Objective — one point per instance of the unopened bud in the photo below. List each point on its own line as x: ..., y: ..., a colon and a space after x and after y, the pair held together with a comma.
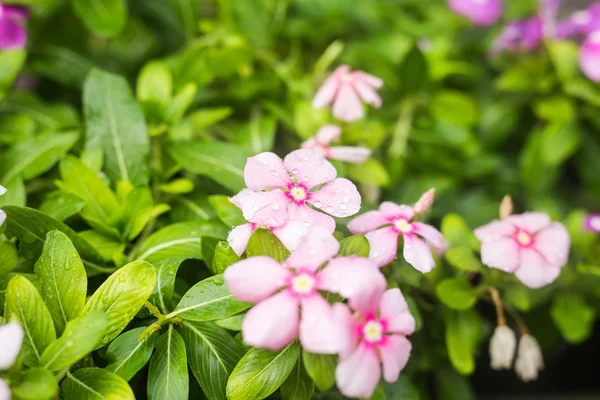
x: 506, y: 207
x: 502, y: 347
x: 529, y: 358
x: 425, y: 201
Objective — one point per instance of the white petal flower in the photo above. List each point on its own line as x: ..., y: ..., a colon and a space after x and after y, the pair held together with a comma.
x: 11, y: 339
x: 502, y: 347
x: 529, y: 358
x: 4, y: 391
x: 2, y: 190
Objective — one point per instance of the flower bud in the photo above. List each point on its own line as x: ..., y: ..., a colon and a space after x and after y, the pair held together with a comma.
x: 506, y: 207
x: 425, y: 201
x: 502, y: 347
x: 592, y: 223
x: 529, y: 358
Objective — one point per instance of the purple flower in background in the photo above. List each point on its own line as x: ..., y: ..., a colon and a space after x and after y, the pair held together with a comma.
x: 589, y: 56
x: 520, y: 36
x: 580, y: 23
x: 481, y: 12
x: 12, y: 34
x: 549, y: 14
x: 592, y: 223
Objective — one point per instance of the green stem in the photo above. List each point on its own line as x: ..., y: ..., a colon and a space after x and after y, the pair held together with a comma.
x: 62, y: 374
x: 403, y: 127
x: 154, y: 311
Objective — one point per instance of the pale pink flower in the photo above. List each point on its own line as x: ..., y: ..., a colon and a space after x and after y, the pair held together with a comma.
x: 383, y: 228
x: 346, y: 89
x: 327, y: 134
x: 282, y: 290
x: 425, y: 201
x: 481, y: 12
x: 281, y: 190
x: 592, y: 223
x: 589, y: 56
x: 529, y: 245
x: 11, y: 340
x: 373, y: 336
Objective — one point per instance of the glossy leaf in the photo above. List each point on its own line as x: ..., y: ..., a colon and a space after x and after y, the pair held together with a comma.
x: 264, y: 243
x: 35, y: 384
x: 573, y: 317
x: 298, y: 385
x: 462, y: 335
x: 321, y: 368
x: 168, y: 374
x: 9, y: 257
x: 456, y: 293
x: 62, y: 205
x: 103, y: 17
x: 95, y: 384
x: 223, y: 258
x: 227, y: 212
x: 166, y: 272
x: 356, y: 245
x: 127, y: 355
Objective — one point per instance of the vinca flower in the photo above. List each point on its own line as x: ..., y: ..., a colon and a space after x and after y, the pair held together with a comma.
x: 12, y: 33
x: 589, y: 56
x: 529, y: 245
x: 374, y: 336
x: 580, y: 24
x: 520, y: 36
x: 502, y: 347
x: 382, y: 229
x: 592, y: 223
x: 529, y: 358
x: 280, y: 291
x: 345, y: 89
x: 11, y: 339
x: 481, y: 12
x: 327, y: 134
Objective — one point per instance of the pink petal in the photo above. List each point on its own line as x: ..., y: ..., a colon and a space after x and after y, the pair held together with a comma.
x: 15, y: 12
x: 367, y: 93
x: 327, y: 91
x: 397, y: 211
x: 266, y: 208
x: 309, y: 167
x: 356, y: 278
x: 530, y: 221
x: 394, y: 354
x: 417, y: 253
x: 534, y: 271
x: 347, y: 105
x: 11, y: 339
x: 311, y: 218
x: 328, y: 133
x: 367, y: 222
x: 501, y: 253
x: 339, y: 198
x: 238, y: 199
x: 394, y: 310
x: 273, y: 323
x: 314, y: 250
x: 4, y: 390
x: 318, y: 331
x: 255, y: 278
x: 239, y: 236
x: 553, y: 243
x: 368, y: 79
x: 494, y: 230
x: 355, y: 155
x: 12, y: 34
x: 358, y: 374
x: 589, y: 57
x: 432, y: 236
x: 266, y: 171
x: 290, y: 234
x: 346, y: 325
x: 384, y: 245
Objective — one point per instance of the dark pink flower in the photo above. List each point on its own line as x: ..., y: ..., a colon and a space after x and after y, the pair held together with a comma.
x: 481, y: 12
x: 592, y: 223
x: 12, y: 33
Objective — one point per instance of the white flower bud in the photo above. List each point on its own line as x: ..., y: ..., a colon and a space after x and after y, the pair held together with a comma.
x: 529, y: 358
x: 502, y: 347
x: 2, y: 190
x: 425, y: 202
x: 506, y: 207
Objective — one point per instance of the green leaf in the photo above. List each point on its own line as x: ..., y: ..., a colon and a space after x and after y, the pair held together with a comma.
x: 163, y: 292
x: 180, y: 103
x: 565, y: 57
x: 222, y: 162
x: 62, y: 205
x: 356, y: 245
x: 63, y: 279
x: 573, y: 317
x: 457, y: 232
x: 24, y: 303
x: 233, y: 323
x: 115, y: 122
x: 463, y: 259
x: 402, y: 389
x: 168, y: 374
x: 226, y: 211
x: 414, y: 72
x: 559, y: 141
x: 35, y: 384
x: 454, y: 107
x: 9, y: 258
x: 209, y: 116
x: 79, y: 339
x: 181, y: 240
x: 258, y: 135
x: 370, y: 172
x: 321, y: 368
x: 95, y: 384
x: 264, y: 243
x: 178, y: 186
x: 138, y: 211
x: 126, y: 355
x: 379, y: 393
x: 155, y: 88
x: 212, y: 354
x: 456, y: 293
x: 223, y: 258
x: 526, y: 299
x: 452, y: 386
x: 103, y: 17
x: 122, y: 295
x: 462, y: 334
x: 298, y: 386
x: 261, y: 372
x: 12, y: 61
x: 16, y: 195
x: 35, y: 155
x: 209, y: 300
x: 106, y: 246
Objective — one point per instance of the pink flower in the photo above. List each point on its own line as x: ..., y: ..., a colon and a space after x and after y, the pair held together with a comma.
x: 530, y: 245
x: 11, y: 340
x: 320, y: 143
x: 373, y: 337
x: 345, y: 89
x: 592, y: 223
x: 2, y: 213
x: 281, y: 191
x: 589, y: 56
x: 394, y: 221
x: 12, y: 34
x: 481, y: 12
x: 281, y: 291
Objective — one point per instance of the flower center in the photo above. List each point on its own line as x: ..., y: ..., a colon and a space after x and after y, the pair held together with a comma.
x: 373, y: 331
x: 303, y: 284
x: 403, y: 225
x: 298, y: 193
x: 347, y: 78
x: 524, y: 238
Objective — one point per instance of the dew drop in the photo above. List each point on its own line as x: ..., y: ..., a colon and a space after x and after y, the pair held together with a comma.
x: 342, y: 206
x: 318, y: 204
x: 346, y: 199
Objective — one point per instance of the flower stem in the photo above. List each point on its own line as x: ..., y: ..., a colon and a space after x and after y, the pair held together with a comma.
x: 522, y: 326
x: 403, y: 127
x: 499, y: 306
x: 154, y: 311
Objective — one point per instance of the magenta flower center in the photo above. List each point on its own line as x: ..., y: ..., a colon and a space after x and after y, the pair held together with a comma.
x: 403, y: 225
x: 373, y: 332
x: 303, y: 284
x: 523, y: 238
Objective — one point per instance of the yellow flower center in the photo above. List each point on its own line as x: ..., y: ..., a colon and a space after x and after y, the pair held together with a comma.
x: 303, y: 284
x: 373, y: 331
x: 524, y: 238
x: 403, y: 225
x: 347, y: 78
x: 298, y: 193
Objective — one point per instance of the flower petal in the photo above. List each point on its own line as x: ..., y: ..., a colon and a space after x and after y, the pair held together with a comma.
x: 273, y: 323
x: 318, y: 331
x: 531, y: 222
x: 11, y: 339
x: 417, y: 253
x: 432, y: 236
x: 314, y: 250
x: 255, y: 278
x: 367, y: 222
x: 290, y: 234
x: 266, y: 208
x: 494, y: 230
x: 354, y: 155
x: 15, y: 12
x: 368, y: 79
x: 501, y: 253
x: 384, y: 245
x: 328, y: 133
x: 397, y: 211
x: 339, y: 198
x: 358, y: 374
x: 394, y: 310
x: 2, y: 190
x: 367, y: 93
x: 311, y: 218
x: 2, y: 217
x: 239, y: 236
x: 266, y: 171
x: 327, y: 91
x: 238, y: 199
x: 12, y: 34
x: 534, y: 271
x: 346, y: 324
x: 394, y: 354
x: 310, y: 168
x: 356, y: 278
x: 347, y: 106
x: 553, y: 243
